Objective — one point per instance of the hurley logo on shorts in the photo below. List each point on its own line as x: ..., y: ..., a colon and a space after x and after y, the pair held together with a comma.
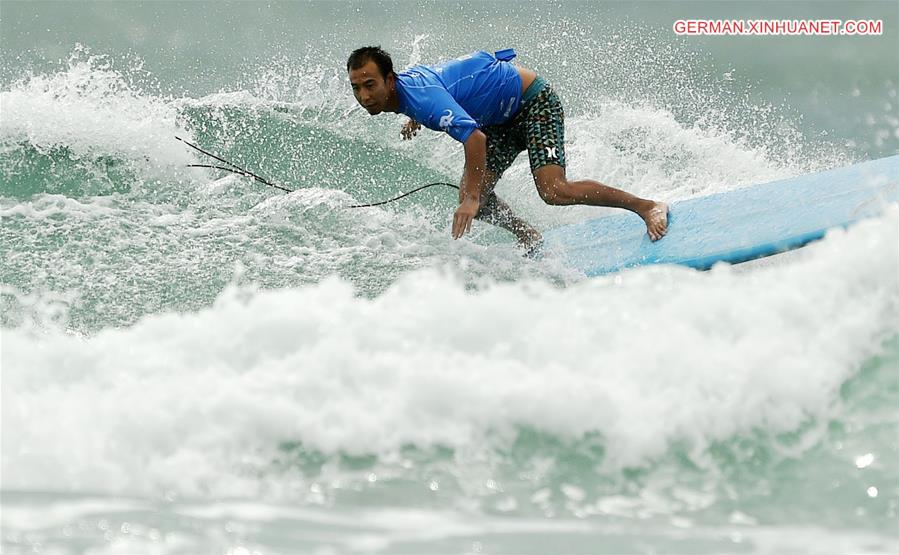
x: 551, y: 152
x: 446, y: 120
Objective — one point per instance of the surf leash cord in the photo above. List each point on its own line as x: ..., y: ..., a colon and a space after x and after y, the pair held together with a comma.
x: 234, y: 168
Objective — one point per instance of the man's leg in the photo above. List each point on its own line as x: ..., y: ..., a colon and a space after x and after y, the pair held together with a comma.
x: 545, y: 132
x: 555, y: 189
x: 495, y: 211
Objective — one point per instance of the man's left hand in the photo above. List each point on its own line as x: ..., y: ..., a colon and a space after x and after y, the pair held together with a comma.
x: 464, y: 215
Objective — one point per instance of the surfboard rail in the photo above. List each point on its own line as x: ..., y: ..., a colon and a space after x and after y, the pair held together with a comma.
x: 734, y: 226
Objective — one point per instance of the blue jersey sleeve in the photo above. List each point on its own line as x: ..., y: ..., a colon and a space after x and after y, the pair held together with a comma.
x: 445, y: 114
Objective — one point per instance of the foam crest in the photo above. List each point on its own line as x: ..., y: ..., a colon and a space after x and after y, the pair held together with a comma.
x: 50, y: 206
x: 649, y: 150
x: 90, y: 109
x: 645, y: 358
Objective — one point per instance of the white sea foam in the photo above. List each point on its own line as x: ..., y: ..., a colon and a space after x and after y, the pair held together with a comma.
x: 90, y: 109
x: 48, y: 206
x: 646, y: 358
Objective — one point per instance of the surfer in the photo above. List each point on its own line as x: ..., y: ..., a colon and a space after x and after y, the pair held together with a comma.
x: 496, y: 110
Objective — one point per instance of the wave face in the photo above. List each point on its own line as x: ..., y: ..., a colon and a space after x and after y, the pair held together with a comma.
x: 195, y: 362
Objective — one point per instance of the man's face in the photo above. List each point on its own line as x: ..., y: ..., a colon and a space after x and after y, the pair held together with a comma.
x: 370, y: 88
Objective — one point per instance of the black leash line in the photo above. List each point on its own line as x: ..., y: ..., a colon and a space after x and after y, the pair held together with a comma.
x: 246, y: 173
x: 240, y: 170
x: 403, y: 195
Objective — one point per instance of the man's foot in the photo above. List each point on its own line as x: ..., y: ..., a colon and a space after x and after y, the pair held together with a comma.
x: 532, y: 243
x: 656, y: 218
x: 535, y: 251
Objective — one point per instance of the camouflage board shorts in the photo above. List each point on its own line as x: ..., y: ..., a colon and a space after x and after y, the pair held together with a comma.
x: 538, y: 127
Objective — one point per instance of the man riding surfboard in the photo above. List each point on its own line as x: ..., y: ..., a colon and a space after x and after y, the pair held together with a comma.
x: 496, y: 110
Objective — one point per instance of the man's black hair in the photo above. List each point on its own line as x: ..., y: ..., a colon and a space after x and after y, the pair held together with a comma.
x: 361, y: 56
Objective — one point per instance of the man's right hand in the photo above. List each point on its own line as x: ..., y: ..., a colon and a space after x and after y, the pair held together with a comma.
x: 410, y: 129
x: 464, y: 215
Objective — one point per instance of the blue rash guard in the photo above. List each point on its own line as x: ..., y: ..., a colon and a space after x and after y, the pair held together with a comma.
x: 463, y: 94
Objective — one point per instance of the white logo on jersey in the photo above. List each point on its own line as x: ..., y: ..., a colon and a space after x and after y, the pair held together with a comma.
x: 551, y: 152
x: 446, y: 120
x: 509, y: 109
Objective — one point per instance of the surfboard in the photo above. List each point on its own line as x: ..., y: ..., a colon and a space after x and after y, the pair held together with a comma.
x: 734, y: 226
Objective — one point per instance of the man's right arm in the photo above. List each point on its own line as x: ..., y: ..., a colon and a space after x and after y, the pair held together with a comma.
x: 473, y: 182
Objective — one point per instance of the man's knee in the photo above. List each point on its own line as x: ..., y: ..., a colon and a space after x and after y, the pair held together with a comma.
x: 555, y: 192
x: 552, y: 185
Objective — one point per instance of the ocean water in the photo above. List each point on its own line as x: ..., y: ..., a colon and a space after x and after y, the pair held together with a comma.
x: 195, y: 363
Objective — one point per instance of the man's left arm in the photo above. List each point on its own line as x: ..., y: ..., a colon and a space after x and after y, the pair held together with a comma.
x: 472, y: 183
